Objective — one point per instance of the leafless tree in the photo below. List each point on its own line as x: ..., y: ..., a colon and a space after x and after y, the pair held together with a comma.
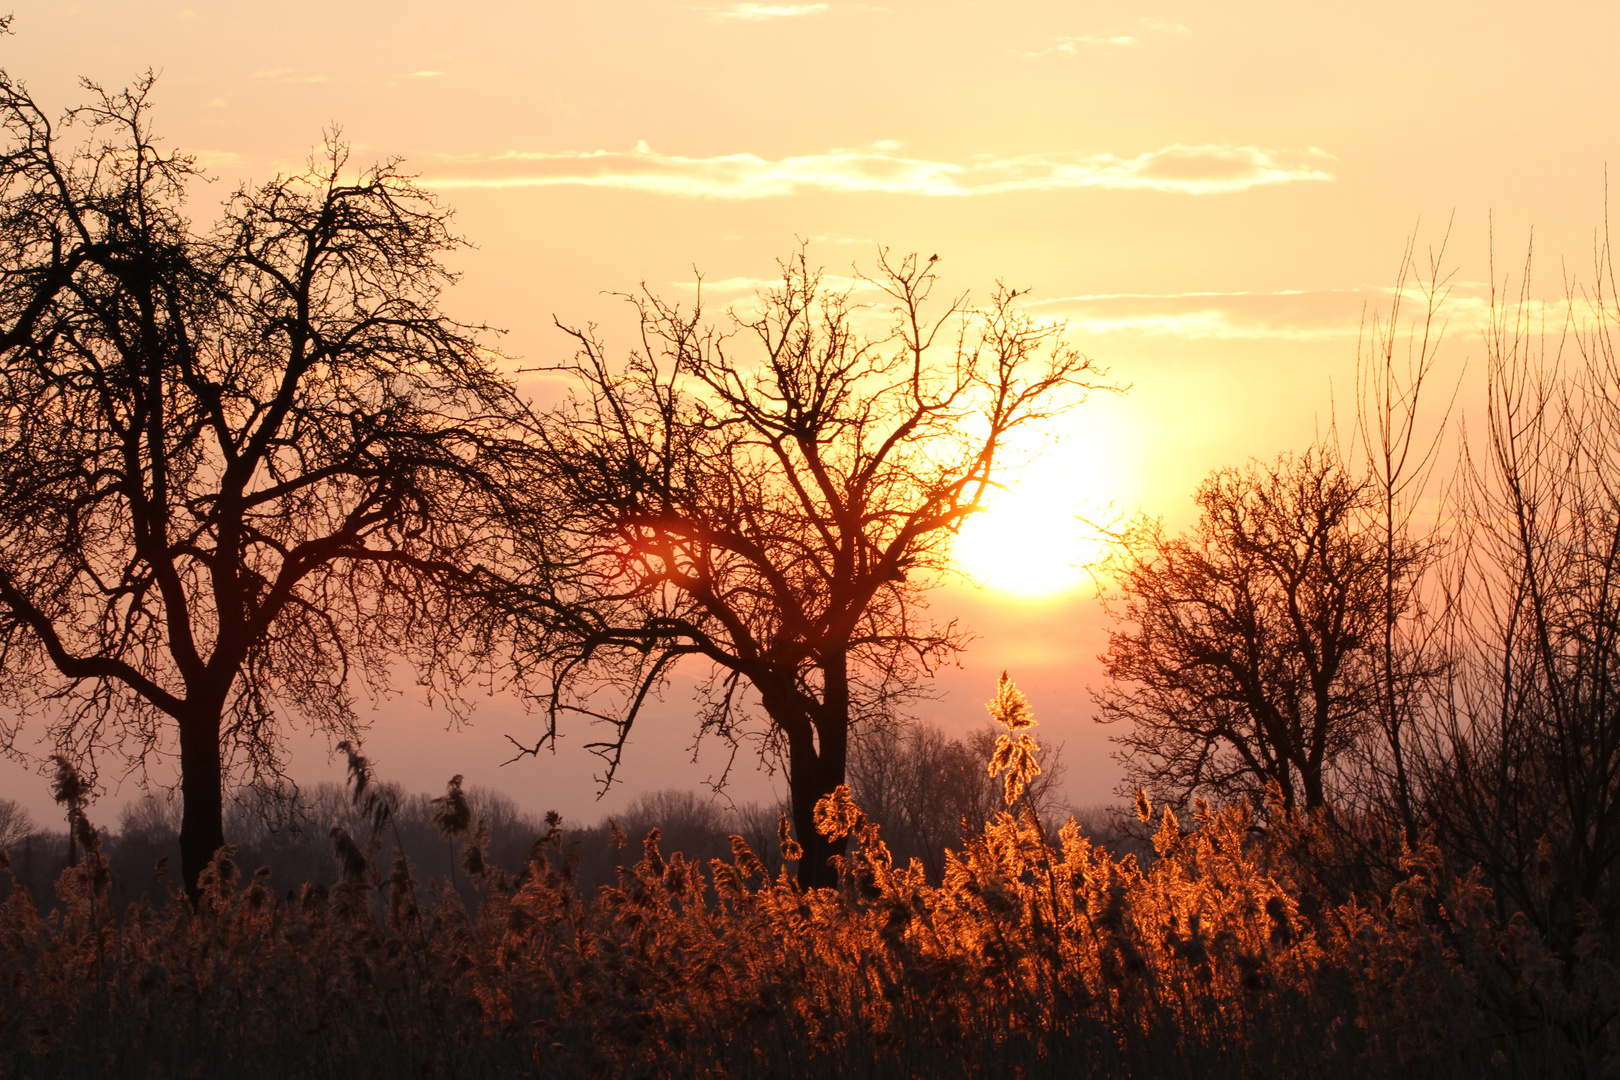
x: 149, y: 819
x: 926, y: 791
x: 243, y: 471
x: 14, y: 822
x: 1396, y: 358
x: 687, y: 822
x: 776, y: 500
x: 1524, y: 768
x: 1242, y: 651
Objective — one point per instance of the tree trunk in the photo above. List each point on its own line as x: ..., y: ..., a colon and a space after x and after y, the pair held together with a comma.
x: 1315, y: 791
x: 818, y: 744
x: 810, y: 779
x: 202, y: 822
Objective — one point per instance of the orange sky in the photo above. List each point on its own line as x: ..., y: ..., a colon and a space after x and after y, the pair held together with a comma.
x: 1210, y: 198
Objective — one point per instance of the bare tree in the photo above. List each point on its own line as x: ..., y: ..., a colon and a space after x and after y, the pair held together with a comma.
x: 926, y: 791
x: 918, y: 787
x: 1524, y: 769
x: 776, y: 501
x: 14, y: 822
x: 149, y: 820
x: 242, y: 471
x: 687, y: 822
x: 1241, y: 653
x: 1396, y: 357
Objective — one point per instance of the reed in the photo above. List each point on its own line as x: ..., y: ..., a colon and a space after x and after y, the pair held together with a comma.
x: 1231, y: 951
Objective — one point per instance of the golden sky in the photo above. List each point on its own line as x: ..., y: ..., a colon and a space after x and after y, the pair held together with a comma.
x: 1211, y: 195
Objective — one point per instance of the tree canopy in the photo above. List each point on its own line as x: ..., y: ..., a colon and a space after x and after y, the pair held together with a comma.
x: 1242, y: 651
x: 776, y: 497
x: 243, y: 469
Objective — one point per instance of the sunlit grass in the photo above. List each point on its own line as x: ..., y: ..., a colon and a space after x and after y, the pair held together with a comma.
x: 1237, y: 950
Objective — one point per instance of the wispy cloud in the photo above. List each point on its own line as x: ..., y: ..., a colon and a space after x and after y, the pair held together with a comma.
x: 740, y: 296
x: 734, y: 288
x: 1196, y: 170
x: 1162, y: 27
x: 769, y: 11
x: 426, y: 74
x: 219, y: 159
x: 1294, y: 316
x: 1259, y: 315
x: 1073, y: 44
x: 1287, y: 314
x: 290, y: 75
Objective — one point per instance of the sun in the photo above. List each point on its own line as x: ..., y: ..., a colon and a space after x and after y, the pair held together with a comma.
x: 1030, y: 539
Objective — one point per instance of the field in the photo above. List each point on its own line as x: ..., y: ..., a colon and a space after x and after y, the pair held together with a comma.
x: 1238, y: 948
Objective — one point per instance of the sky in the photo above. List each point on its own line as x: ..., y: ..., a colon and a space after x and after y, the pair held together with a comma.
x: 1214, y: 197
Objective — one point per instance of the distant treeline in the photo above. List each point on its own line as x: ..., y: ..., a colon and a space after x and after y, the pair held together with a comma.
x: 925, y: 789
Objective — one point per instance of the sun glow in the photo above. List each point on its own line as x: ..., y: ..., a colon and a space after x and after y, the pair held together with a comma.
x: 1033, y: 538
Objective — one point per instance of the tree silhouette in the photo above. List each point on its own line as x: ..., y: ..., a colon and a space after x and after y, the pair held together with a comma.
x: 927, y: 792
x: 1399, y: 469
x: 1242, y: 651
x: 777, y: 500
x: 243, y: 469
x: 15, y: 824
x: 1521, y: 762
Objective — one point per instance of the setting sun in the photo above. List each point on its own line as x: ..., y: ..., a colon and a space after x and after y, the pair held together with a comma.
x: 1033, y: 538
x: 1040, y: 533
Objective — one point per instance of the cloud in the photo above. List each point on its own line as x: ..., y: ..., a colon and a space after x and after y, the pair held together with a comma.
x: 1196, y: 170
x: 1301, y: 315
x: 1073, y: 44
x: 740, y: 297
x: 1287, y: 314
x: 1290, y: 314
x: 219, y: 159
x: 425, y: 74
x: 1105, y: 322
x: 290, y: 75
x: 769, y: 11
x: 733, y: 288
x: 1162, y: 27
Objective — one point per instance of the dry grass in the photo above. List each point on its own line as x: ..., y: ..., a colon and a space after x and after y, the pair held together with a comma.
x: 1032, y: 958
